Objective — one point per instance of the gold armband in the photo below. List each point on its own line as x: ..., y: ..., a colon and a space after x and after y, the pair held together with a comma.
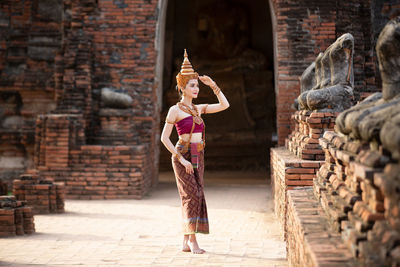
x: 215, y: 88
x: 168, y: 121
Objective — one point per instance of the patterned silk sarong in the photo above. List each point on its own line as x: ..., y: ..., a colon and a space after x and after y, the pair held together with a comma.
x: 190, y: 187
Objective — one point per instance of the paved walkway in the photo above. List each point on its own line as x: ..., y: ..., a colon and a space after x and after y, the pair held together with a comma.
x: 146, y: 232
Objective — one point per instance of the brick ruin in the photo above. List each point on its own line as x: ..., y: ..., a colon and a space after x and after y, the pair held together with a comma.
x: 58, y: 58
x: 43, y: 196
x: 30, y: 37
x: 62, y: 60
x: 15, y: 217
x: 301, y: 33
x: 328, y: 79
x: 350, y: 214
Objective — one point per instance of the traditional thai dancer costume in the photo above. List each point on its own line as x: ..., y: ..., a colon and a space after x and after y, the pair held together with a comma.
x: 191, y: 186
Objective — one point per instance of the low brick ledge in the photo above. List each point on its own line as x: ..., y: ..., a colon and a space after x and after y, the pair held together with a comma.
x: 309, y: 241
x: 289, y: 172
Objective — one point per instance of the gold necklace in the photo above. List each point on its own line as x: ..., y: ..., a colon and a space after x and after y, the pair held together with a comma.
x: 192, y: 111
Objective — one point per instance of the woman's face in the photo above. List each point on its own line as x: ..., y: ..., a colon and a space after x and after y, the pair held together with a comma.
x: 192, y: 88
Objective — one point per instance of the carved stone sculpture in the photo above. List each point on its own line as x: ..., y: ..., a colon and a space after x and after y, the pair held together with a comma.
x: 308, y: 80
x: 376, y: 119
x: 113, y: 99
x: 390, y: 135
x: 388, y: 50
x: 332, y: 87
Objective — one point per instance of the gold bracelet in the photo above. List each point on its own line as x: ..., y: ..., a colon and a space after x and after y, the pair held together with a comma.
x: 215, y: 88
x: 177, y: 156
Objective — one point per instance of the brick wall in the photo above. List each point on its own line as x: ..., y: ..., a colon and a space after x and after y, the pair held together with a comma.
x: 99, y: 152
x: 15, y: 217
x: 16, y: 150
x: 55, y: 56
x: 30, y: 37
x: 309, y: 240
x: 383, y: 11
x: 90, y: 171
x: 119, y: 45
x: 49, y: 48
x: 296, y: 164
x: 351, y: 216
x: 125, y: 56
x: 353, y: 219
x: 353, y: 189
x: 305, y: 28
x: 308, y: 128
x: 43, y: 196
x: 289, y: 172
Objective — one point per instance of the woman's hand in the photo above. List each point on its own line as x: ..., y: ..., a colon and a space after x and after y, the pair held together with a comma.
x: 206, y: 80
x: 223, y: 102
x: 188, y: 166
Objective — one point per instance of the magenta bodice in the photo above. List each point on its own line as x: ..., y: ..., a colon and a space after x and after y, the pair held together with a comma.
x: 185, y: 125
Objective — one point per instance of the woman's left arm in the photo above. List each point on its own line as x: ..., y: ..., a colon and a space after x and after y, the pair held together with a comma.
x: 223, y: 102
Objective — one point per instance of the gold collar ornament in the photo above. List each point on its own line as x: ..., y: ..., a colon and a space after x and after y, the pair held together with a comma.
x: 192, y: 111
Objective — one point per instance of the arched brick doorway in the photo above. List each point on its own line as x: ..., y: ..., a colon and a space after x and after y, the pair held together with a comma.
x: 232, y: 42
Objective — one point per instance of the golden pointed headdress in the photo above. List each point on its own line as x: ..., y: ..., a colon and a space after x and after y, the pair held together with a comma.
x: 187, y: 72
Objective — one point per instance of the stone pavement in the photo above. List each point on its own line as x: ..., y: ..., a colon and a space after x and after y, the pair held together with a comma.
x: 146, y: 232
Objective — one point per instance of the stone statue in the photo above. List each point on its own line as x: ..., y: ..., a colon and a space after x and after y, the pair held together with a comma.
x: 307, y: 82
x: 331, y: 88
x: 112, y: 99
x: 376, y: 119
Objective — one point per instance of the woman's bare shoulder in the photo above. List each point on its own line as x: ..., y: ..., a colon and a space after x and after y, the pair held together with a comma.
x: 173, y: 112
x: 173, y: 109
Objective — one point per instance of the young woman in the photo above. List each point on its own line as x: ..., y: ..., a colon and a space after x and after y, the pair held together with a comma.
x: 188, y: 154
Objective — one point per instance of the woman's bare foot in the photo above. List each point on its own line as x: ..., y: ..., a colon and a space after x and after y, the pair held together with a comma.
x: 185, y: 247
x: 194, y: 246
